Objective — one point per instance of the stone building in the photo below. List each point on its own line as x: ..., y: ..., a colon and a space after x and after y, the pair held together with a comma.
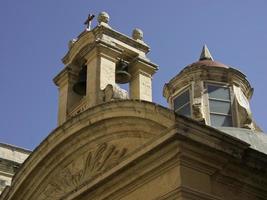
x: 11, y: 157
x: 111, y: 143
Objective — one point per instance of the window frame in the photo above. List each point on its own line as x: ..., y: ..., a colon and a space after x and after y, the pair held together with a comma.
x: 179, y: 93
x: 230, y: 101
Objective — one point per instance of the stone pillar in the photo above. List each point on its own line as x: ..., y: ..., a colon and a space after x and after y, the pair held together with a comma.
x: 67, y: 97
x: 197, y: 101
x: 91, y: 83
x: 100, y: 72
x: 141, y: 82
x: 140, y: 86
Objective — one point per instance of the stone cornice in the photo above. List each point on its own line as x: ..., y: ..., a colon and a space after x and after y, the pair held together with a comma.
x: 248, y: 183
x: 121, y: 37
x: 8, y: 167
x: 211, y: 137
x: 12, y: 147
x: 87, y: 40
x: 255, y: 159
x: 61, y: 78
x: 81, y: 43
x: 145, y: 65
x: 188, y: 192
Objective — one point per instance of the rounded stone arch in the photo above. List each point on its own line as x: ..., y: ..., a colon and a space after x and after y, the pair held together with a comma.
x: 78, y: 46
x: 88, y: 145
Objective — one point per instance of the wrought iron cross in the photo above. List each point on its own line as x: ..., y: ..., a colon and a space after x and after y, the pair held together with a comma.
x: 89, y: 21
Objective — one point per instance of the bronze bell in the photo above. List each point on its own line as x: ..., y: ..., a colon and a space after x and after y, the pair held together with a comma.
x: 122, y: 74
x: 80, y: 86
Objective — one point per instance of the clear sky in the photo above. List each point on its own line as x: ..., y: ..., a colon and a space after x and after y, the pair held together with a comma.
x: 34, y: 35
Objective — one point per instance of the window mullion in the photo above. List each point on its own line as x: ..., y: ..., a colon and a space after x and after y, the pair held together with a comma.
x: 181, y: 107
x: 222, y: 100
x: 223, y: 114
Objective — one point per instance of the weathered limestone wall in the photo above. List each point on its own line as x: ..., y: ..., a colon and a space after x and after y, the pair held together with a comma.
x: 10, y: 159
x: 12, y: 153
x: 141, y: 87
x: 83, y: 149
x: 137, y: 150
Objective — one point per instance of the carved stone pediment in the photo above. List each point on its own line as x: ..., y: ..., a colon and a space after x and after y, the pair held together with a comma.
x: 85, y: 149
x: 83, y: 169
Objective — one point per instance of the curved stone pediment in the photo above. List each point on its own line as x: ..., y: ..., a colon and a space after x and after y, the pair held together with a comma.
x: 83, y: 168
x: 88, y: 146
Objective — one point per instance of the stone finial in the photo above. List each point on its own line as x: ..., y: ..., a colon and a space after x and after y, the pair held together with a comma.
x: 205, y: 54
x: 103, y: 17
x: 137, y: 34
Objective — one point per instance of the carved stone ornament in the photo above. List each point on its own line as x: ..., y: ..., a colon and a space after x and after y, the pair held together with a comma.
x: 82, y: 169
x: 197, y: 112
x: 245, y: 114
x: 103, y: 17
x: 112, y: 92
x: 137, y: 34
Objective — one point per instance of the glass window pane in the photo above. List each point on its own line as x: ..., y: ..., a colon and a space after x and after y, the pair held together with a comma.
x: 181, y: 100
x: 220, y: 120
x: 220, y: 107
x: 218, y: 92
x: 186, y: 111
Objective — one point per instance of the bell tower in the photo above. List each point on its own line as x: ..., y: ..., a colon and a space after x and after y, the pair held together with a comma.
x: 97, y: 63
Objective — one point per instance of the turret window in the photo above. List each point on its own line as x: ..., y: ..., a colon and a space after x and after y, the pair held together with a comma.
x: 182, y: 105
x: 219, y: 105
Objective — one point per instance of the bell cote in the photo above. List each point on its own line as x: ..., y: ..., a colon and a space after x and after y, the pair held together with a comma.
x: 212, y: 93
x: 97, y: 63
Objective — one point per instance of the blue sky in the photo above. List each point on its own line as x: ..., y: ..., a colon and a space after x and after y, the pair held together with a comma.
x: 34, y: 36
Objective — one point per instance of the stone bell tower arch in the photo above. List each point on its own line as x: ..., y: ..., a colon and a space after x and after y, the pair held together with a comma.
x: 97, y: 62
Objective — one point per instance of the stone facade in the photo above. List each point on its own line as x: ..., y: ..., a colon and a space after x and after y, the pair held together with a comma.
x: 110, y: 145
x: 137, y: 150
x: 11, y: 158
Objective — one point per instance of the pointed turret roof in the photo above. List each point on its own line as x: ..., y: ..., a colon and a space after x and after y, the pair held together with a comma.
x: 205, y: 54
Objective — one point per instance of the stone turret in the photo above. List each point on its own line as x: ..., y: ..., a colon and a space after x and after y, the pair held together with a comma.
x: 212, y: 93
x: 97, y: 62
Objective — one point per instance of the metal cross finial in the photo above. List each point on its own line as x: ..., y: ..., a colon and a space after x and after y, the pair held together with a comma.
x: 89, y: 21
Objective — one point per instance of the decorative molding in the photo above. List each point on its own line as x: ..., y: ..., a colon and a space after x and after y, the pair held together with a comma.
x: 83, y: 169
x: 113, y: 92
x: 8, y: 167
x: 82, y: 106
x: 187, y: 192
x: 247, y: 186
x: 197, y: 109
